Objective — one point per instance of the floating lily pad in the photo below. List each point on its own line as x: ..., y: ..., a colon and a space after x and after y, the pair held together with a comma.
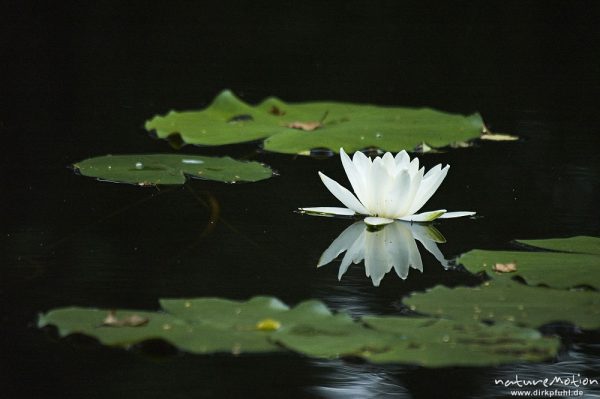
x: 204, y: 325
x: 191, y: 337
x: 503, y: 300
x: 154, y: 169
x: 578, y: 263
x: 339, y: 337
x: 579, y: 244
x: 440, y: 343
x: 423, y: 341
x: 264, y: 324
x: 299, y: 128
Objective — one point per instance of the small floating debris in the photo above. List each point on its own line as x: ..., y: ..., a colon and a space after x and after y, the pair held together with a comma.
x: 498, y: 137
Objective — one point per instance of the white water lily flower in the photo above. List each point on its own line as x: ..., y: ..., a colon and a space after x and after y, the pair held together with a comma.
x: 386, y: 188
x: 384, y: 248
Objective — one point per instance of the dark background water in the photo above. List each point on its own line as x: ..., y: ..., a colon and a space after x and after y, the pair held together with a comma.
x: 80, y: 80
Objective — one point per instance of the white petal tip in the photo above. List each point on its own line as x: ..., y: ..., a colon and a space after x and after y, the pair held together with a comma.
x: 459, y: 214
x: 327, y: 211
x: 343, y: 194
x: 377, y: 221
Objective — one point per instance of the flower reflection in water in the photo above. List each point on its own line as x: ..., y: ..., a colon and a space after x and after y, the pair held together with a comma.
x: 384, y: 247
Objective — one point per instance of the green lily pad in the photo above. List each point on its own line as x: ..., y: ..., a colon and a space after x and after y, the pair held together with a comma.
x: 503, y: 300
x: 440, y: 343
x: 299, y: 128
x: 191, y: 337
x: 154, y: 169
x: 579, y: 244
x: 90, y: 322
x: 204, y: 325
x: 578, y: 263
x: 338, y: 337
x: 265, y: 324
x: 423, y: 341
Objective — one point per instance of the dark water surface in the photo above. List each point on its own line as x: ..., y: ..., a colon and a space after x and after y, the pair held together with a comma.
x: 85, y: 80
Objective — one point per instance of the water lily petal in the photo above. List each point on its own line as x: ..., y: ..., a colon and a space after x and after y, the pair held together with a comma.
x: 406, y: 205
x: 457, y: 214
x: 424, y: 217
x: 363, y: 166
x: 377, y: 221
x: 413, y: 167
x: 343, y: 194
x: 402, y: 160
x: 356, y: 179
x: 398, y: 194
x: 381, y: 183
x: 328, y: 210
x: 341, y: 243
x: 389, y: 163
x: 362, y: 163
x: 428, y: 187
x: 433, y: 172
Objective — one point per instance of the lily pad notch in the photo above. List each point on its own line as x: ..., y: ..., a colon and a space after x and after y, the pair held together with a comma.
x: 170, y: 169
x: 300, y: 128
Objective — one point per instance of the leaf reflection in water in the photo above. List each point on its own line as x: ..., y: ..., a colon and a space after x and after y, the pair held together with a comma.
x: 383, y: 248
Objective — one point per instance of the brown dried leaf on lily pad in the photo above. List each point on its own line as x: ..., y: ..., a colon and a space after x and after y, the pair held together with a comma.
x: 505, y: 267
x: 133, y: 320
x: 306, y: 126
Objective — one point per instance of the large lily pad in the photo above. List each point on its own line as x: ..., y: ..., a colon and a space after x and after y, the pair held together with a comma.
x: 204, y: 325
x: 299, y: 128
x: 439, y: 343
x: 192, y: 337
x: 426, y: 342
x: 264, y: 324
x: 154, y: 169
x: 578, y: 263
x: 503, y: 300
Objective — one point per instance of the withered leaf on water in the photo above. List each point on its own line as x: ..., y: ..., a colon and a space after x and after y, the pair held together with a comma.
x: 505, y: 267
x: 133, y: 320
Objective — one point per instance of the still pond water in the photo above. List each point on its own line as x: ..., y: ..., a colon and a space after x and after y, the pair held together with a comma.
x: 73, y: 241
